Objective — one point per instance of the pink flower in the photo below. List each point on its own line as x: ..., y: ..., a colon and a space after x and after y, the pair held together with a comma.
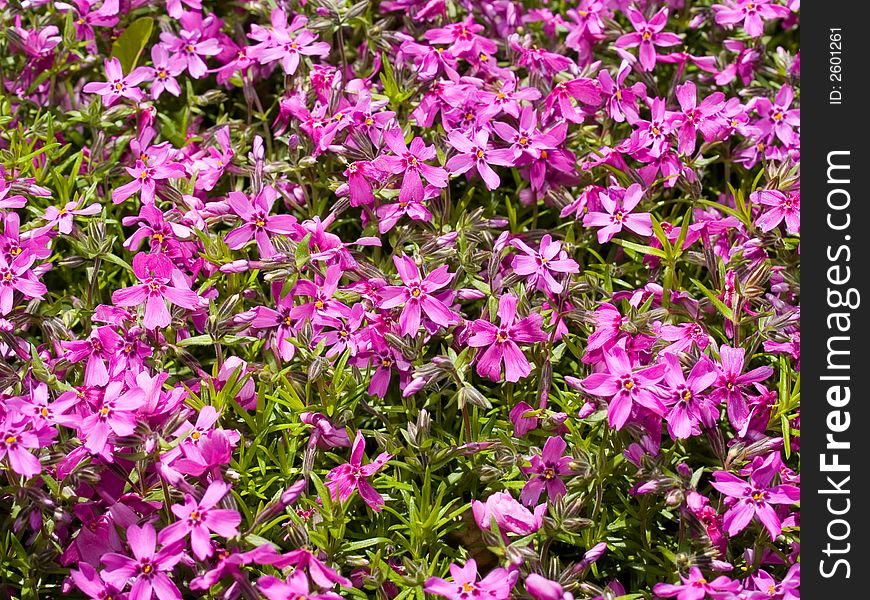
x: 619, y: 215
x: 730, y: 386
x: 417, y: 296
x: 625, y: 387
x: 688, y: 406
x: 509, y: 515
x: 164, y: 72
x: 497, y: 585
x: 15, y: 276
x: 501, y: 342
x: 188, y: 48
x: 410, y: 162
x: 696, y: 587
x: 116, y: 413
x: 703, y: 117
x: 199, y: 519
x: 160, y: 282
x: 257, y: 223
x: 647, y: 35
x: 117, y: 85
x: 544, y: 264
x: 541, y: 588
x: 474, y: 152
x: 751, y: 13
x: 344, y: 479
x: 296, y: 587
x: 782, y: 207
x: 15, y: 443
x: 147, y: 570
x: 63, y: 217
x: 755, y: 499
x: 145, y: 179
x: 621, y: 102
x: 283, y: 43
x: 548, y: 469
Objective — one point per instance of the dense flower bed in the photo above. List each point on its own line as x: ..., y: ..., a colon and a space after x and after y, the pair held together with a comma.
x: 470, y: 299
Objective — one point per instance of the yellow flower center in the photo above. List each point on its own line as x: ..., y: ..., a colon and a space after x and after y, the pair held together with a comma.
x: 11, y: 439
x: 467, y: 587
x: 318, y: 304
x: 416, y: 292
x: 549, y: 474
x: 147, y: 569
x: 260, y: 222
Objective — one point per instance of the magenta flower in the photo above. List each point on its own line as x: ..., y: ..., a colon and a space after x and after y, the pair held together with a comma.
x: 777, y: 116
x: 116, y: 413
x: 279, y: 320
x: 344, y: 479
x: 16, y: 443
x: 730, y: 386
x: 417, y: 296
x: 654, y: 134
x: 501, y: 342
x: 648, y: 35
x: 754, y: 499
x: 147, y: 571
x: 619, y: 215
x: 696, y: 587
x: 626, y: 387
x: 548, y: 468
x: 200, y: 519
x: 782, y: 207
x: 751, y: 13
x: 621, y: 102
x: 321, y: 302
x: 159, y: 282
x: 541, y: 588
x: 63, y: 217
x: 118, y: 86
x: 688, y: 406
x: 100, y: 347
x: 88, y: 581
x: 286, y: 43
x: 582, y: 89
x: 410, y: 162
x: 497, y: 585
x: 15, y: 276
x: 698, y: 117
x: 769, y: 589
x: 189, y: 48
x: 164, y: 72
x: 145, y: 179
x: 257, y: 222
x: 544, y: 264
x: 296, y: 587
x: 474, y: 152
x: 509, y: 515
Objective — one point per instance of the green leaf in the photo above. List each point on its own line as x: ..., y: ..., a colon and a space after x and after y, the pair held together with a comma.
x: 640, y: 248
x: 128, y: 47
x: 726, y: 312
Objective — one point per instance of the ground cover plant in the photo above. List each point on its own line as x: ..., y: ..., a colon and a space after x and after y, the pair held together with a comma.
x: 399, y: 299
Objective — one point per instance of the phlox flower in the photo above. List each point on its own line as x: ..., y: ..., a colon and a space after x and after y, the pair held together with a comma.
x: 410, y: 161
x: 620, y: 101
x: 497, y: 584
x: 63, y: 217
x: 782, y: 207
x: 626, y: 387
x: 501, y: 341
x: 117, y: 85
x: 768, y: 588
x: 344, y: 479
x: 754, y: 499
x: 147, y: 571
x: 115, y: 414
x: 159, y: 282
x: 696, y: 117
x: 619, y: 215
x: 200, y: 519
x: 286, y: 42
x: 696, y: 587
x: 164, y: 71
x: 16, y: 441
x: 548, y: 469
x: 474, y: 152
x: 684, y: 395
x: 648, y: 35
x: 257, y: 223
x: 17, y: 276
x: 417, y: 296
x: 145, y: 177
x: 731, y: 383
x: 544, y: 264
x: 750, y: 13
x: 509, y: 515
x: 295, y: 587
